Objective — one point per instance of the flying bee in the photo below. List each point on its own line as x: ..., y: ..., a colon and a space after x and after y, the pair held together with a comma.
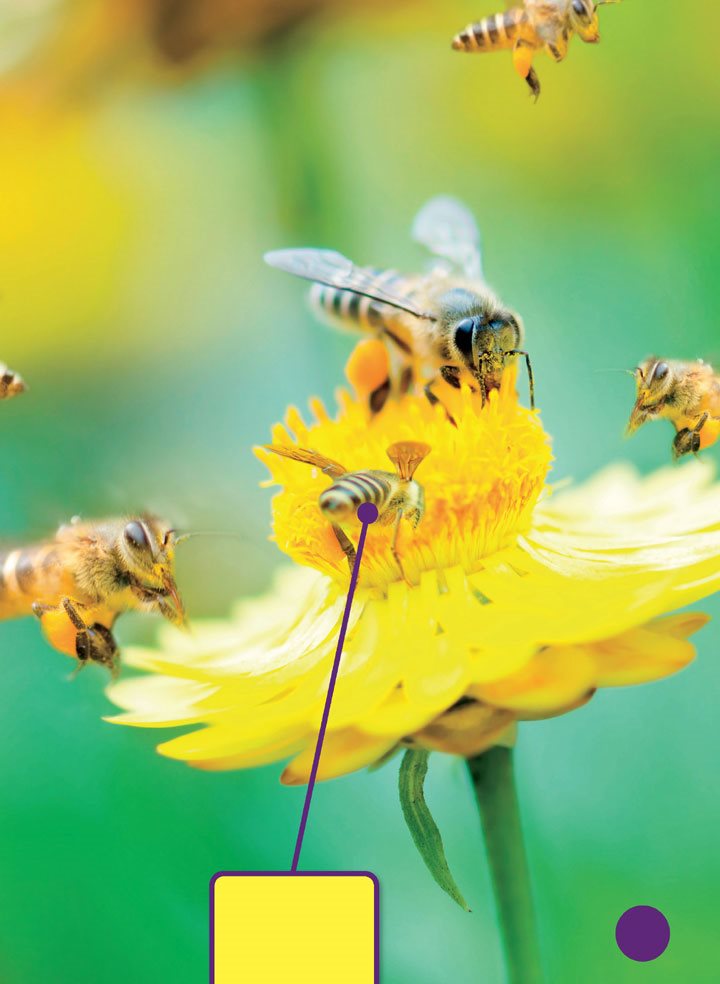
x: 446, y: 323
x: 685, y: 393
x: 11, y: 384
x: 530, y: 27
x: 78, y: 582
x: 395, y: 494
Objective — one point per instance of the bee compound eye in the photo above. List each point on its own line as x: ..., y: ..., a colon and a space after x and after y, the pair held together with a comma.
x: 464, y: 336
x: 136, y: 536
x: 579, y: 7
x: 661, y: 370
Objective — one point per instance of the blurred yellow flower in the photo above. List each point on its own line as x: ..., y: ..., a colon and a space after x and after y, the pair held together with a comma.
x: 77, y: 43
x: 517, y: 609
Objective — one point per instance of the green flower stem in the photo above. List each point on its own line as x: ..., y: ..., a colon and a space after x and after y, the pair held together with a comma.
x: 493, y: 780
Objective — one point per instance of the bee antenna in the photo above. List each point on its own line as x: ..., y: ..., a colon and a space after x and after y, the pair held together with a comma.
x: 629, y: 372
x: 189, y: 536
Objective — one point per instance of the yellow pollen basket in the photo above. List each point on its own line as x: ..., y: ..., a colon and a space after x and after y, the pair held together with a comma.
x: 481, y: 480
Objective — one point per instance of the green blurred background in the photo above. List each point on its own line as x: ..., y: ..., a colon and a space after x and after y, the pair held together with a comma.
x: 149, y: 153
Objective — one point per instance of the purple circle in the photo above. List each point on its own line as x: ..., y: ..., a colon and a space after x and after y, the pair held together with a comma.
x: 642, y: 933
x: 367, y: 513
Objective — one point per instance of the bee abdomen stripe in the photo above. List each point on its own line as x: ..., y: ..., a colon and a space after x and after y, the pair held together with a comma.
x: 353, y: 309
x: 381, y: 488
x: 495, y: 31
x: 356, y: 489
x: 374, y: 314
x: 347, y: 305
x: 360, y: 486
x: 465, y: 40
x: 336, y: 300
x: 332, y: 498
x: 25, y: 572
x: 511, y: 20
x: 476, y: 36
x: 9, y: 574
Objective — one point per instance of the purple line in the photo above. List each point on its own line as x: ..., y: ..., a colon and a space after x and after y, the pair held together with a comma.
x: 367, y: 514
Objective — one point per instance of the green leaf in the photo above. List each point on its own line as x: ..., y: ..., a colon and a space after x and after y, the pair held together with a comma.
x: 423, y: 829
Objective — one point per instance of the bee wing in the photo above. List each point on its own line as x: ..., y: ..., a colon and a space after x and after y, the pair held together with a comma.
x: 447, y: 228
x: 332, y: 468
x: 324, y: 266
x: 407, y: 455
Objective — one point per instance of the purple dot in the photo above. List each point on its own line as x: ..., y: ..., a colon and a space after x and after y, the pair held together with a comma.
x: 642, y: 933
x: 367, y: 513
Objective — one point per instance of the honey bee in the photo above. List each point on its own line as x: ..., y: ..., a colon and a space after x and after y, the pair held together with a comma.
x: 530, y: 27
x: 685, y: 393
x: 395, y: 494
x: 11, y: 384
x: 446, y: 323
x: 78, y: 582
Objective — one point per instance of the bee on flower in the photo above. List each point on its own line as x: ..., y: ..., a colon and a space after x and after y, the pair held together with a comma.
x: 445, y: 326
x: 393, y: 494
x: 512, y: 603
x: 518, y: 603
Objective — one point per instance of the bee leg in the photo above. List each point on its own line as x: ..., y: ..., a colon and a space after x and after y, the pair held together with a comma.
x: 523, y: 53
x: 557, y: 51
x: 82, y: 658
x: 104, y: 648
x: 405, y: 381
x: 483, y: 389
x: 379, y: 397
x: 404, y: 378
x: 393, y: 547
x: 434, y: 400
x: 534, y: 83
x: 451, y: 375
x: 345, y: 544
x: 531, y: 378
x: 91, y: 642
x: 94, y: 643
x: 687, y: 441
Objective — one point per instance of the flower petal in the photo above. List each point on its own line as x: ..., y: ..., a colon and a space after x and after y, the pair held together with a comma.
x: 554, y: 678
x: 648, y: 653
x: 343, y: 751
x: 467, y: 730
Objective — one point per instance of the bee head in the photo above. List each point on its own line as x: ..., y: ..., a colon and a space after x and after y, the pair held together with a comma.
x: 147, y: 547
x: 655, y: 382
x: 584, y: 20
x: 492, y: 335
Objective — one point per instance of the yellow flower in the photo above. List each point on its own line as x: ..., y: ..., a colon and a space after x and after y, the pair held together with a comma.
x: 482, y: 479
x: 514, y: 607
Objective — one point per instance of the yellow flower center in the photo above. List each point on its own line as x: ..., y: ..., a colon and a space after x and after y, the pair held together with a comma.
x: 481, y: 480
